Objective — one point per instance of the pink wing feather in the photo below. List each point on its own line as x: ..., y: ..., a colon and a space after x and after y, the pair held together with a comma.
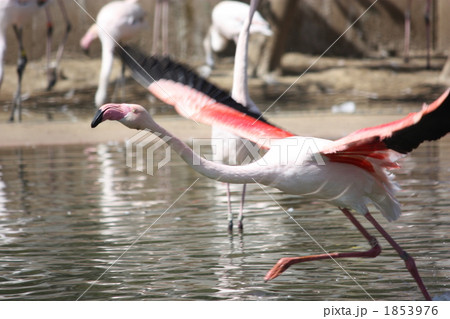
x: 200, y: 107
x: 373, y: 137
x: 383, y: 144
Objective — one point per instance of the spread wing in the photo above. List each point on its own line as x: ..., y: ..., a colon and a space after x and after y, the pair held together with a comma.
x: 196, y: 98
x: 382, y: 143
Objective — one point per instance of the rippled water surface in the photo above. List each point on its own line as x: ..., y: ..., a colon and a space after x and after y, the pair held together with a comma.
x: 76, y: 222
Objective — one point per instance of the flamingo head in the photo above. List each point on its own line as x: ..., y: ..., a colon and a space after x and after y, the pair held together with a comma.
x: 131, y: 115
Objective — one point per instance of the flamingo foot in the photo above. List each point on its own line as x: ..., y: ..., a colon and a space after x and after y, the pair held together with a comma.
x: 52, y: 78
x: 279, y: 268
x: 230, y: 227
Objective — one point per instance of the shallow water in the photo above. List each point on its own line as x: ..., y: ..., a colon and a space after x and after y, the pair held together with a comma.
x: 76, y: 222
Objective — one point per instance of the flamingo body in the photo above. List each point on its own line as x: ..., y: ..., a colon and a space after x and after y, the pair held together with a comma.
x: 117, y: 21
x: 309, y: 166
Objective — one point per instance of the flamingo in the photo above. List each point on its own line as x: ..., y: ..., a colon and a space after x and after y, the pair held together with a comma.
x: 16, y: 13
x: 348, y: 173
x: 227, y: 22
x: 117, y: 21
x: 230, y: 148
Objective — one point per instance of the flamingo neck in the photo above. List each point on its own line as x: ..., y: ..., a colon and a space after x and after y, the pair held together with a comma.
x: 251, y: 173
x: 240, y: 78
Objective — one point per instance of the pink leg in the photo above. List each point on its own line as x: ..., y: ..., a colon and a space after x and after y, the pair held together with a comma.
x: 409, y: 261
x: 285, y: 263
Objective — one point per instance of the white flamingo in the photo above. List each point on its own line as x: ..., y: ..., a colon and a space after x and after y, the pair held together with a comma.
x: 116, y: 22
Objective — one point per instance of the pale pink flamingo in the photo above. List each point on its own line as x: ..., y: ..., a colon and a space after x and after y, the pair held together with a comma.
x: 16, y: 13
x: 227, y: 21
x: 348, y: 173
x: 117, y: 22
x: 408, y: 30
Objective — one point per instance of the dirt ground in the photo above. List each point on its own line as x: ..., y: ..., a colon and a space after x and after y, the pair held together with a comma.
x: 382, y: 88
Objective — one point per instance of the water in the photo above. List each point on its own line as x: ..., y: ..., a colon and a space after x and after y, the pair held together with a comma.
x: 75, y: 222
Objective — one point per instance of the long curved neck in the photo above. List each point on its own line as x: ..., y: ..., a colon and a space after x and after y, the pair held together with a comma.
x: 239, y: 91
x: 250, y: 173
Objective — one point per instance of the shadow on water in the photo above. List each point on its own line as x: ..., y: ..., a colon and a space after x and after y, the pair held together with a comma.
x: 68, y: 214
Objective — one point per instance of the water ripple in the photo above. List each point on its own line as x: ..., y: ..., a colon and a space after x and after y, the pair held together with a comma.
x: 68, y: 214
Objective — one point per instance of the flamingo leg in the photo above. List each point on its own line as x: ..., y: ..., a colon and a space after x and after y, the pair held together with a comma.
x: 51, y: 76
x: 241, y: 209
x: 285, y: 263
x: 51, y: 71
x: 122, y: 82
x: 165, y: 27
x: 409, y: 261
x: 21, y: 64
x: 230, y: 213
x: 156, y: 27
x: 407, y: 30
x: 428, y: 28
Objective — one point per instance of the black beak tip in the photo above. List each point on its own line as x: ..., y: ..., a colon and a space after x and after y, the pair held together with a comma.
x: 98, y: 118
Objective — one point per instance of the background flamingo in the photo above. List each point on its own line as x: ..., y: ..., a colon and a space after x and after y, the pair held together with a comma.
x: 230, y: 148
x: 227, y: 22
x: 116, y: 22
x: 16, y: 13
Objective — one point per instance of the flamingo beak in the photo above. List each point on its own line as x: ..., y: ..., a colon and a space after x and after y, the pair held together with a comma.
x: 98, y: 118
